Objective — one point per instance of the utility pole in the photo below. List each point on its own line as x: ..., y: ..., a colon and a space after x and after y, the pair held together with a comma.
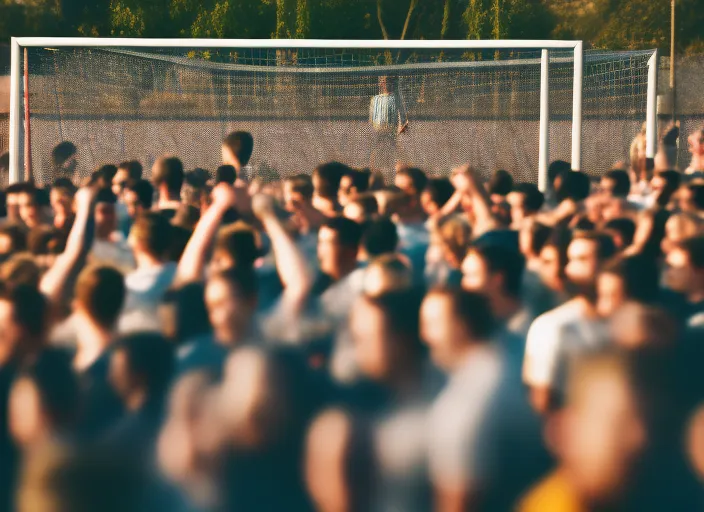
x: 672, y: 61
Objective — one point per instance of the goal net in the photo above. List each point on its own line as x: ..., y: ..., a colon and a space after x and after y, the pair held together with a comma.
x: 305, y: 106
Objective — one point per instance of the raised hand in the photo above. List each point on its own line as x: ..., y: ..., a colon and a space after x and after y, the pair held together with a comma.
x: 224, y: 196
x: 263, y: 205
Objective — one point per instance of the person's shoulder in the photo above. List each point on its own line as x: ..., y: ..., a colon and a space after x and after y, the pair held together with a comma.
x: 552, y: 493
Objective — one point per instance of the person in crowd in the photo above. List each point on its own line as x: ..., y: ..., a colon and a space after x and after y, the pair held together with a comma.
x: 326, y: 187
x: 685, y: 274
x: 141, y: 367
x: 109, y: 246
x: 525, y: 201
x: 436, y: 194
x: 449, y: 240
x: 30, y: 210
x: 481, y: 421
x: 627, y: 279
x: 695, y: 144
x: 127, y: 172
x: 622, y: 230
x: 556, y: 336
x: 691, y: 198
x: 362, y: 208
x: 61, y: 197
x: 64, y: 161
x: 167, y: 177
x: 352, y: 183
x: 237, y: 149
x: 137, y: 198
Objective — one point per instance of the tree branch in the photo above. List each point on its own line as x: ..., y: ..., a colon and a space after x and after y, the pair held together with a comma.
x: 384, y: 32
x: 411, y: 8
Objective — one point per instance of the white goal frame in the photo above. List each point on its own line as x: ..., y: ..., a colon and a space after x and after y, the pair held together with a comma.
x: 18, y: 43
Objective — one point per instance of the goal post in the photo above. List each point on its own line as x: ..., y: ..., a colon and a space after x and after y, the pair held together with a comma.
x: 544, y: 61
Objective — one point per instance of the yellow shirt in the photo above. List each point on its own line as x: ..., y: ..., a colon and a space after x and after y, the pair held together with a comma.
x: 552, y: 494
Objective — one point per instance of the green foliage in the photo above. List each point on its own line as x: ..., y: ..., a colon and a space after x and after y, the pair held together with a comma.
x: 612, y: 24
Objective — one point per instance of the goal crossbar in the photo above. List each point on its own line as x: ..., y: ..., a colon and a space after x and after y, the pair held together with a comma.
x: 19, y: 43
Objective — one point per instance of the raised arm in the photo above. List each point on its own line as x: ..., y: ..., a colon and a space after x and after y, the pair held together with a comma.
x: 293, y: 269
x: 191, y: 267
x: 77, y: 247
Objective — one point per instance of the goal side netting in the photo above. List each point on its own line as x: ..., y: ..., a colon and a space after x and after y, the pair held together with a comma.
x: 309, y: 105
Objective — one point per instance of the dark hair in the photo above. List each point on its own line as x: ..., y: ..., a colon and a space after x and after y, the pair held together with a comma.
x: 500, y: 183
x: 42, y: 197
x: 605, y: 246
x: 57, y: 384
x: 30, y: 310
x: 639, y: 274
x: 226, y: 174
x: 134, y: 169
x: 105, y: 195
x: 440, y: 190
x: 17, y: 236
x: 45, y: 239
x: 243, y: 281
x: 144, y: 192
x: 505, y: 261
x: 62, y: 152
x: 106, y: 173
x: 64, y: 185
x: 197, y: 178
x: 672, y: 178
x: 349, y: 233
x: 169, y: 171
x: 625, y: 227
x: 191, y: 314
x: 380, y: 237
x: 302, y: 184
x: 329, y: 175
x: 556, y: 169
x: 539, y: 236
x: 694, y: 247
x: 150, y: 358
x: 401, y: 310
x: 360, y: 179
x: 472, y: 310
x: 101, y: 292
x: 534, y: 198
x: 241, y: 144
x: 240, y: 242
x: 153, y: 230
x: 368, y: 203
x: 622, y: 182
x: 418, y: 177
x: 15, y: 188
x: 575, y: 185
x: 697, y: 190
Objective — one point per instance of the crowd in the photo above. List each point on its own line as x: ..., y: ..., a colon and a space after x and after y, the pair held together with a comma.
x: 194, y: 341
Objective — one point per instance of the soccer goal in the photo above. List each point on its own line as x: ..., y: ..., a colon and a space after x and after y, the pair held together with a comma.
x: 515, y: 105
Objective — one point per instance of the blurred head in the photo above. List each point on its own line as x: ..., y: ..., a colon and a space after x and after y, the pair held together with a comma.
x: 298, y: 189
x: 226, y: 174
x: 326, y: 179
x: 22, y: 268
x: 105, y: 214
x: 451, y: 237
x: 127, y: 172
x: 379, y: 237
x: 553, y: 259
x: 141, y: 366
x: 100, y: 294
x: 63, y: 159
x: 586, y: 254
x: 138, y: 197
x: 451, y: 322
x: 685, y: 268
x: 235, y: 246
x: 555, y: 171
x: 168, y: 176
x: 616, y: 183
x: 574, y: 186
x: 635, y: 325
x: 352, y: 184
x: 44, y: 399
x: 339, y: 463
x: 231, y: 300
x: 61, y: 197
x: 666, y: 183
x: 387, y: 273
x: 151, y: 235
x: 691, y: 198
x: 602, y: 431
x: 532, y: 238
x: 338, y: 243
x: 630, y: 278
x: 237, y: 149
x: 622, y: 230
x: 411, y: 180
x: 494, y: 270
x: 24, y: 323
x: 362, y: 208
x: 500, y: 184
x: 437, y: 192
x: 385, y: 334
x: 695, y: 143
x: 28, y: 204
x: 678, y: 228
x: 12, y: 202
x: 525, y: 200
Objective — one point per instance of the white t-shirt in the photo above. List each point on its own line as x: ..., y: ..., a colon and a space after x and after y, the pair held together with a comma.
x: 554, y: 338
x: 113, y: 252
x: 145, y: 288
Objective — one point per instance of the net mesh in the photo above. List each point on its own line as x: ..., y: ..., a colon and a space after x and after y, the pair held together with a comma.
x: 307, y: 106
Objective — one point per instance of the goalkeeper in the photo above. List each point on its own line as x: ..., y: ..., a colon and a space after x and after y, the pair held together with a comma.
x: 387, y: 113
